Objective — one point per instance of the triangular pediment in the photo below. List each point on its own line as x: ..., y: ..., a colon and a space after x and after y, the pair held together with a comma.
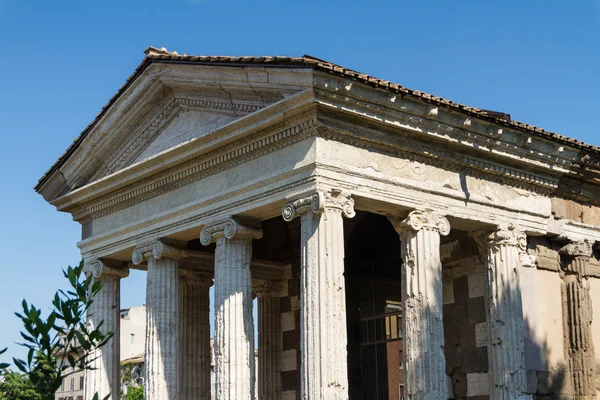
x: 164, y: 107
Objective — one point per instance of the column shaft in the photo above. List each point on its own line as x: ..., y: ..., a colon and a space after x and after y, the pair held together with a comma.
x: 105, y: 377
x: 162, y: 375
x: 422, y: 304
x: 195, y: 331
x: 269, y: 346
x: 505, y: 315
x: 577, y: 319
x: 234, y: 326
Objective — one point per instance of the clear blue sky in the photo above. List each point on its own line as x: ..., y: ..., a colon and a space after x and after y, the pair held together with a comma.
x: 61, y: 61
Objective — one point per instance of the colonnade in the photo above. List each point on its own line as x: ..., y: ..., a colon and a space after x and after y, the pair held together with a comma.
x: 178, y: 328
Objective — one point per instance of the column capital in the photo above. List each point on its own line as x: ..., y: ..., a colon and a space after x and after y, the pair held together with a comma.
x: 269, y: 289
x: 229, y: 229
x: 156, y: 250
x: 422, y: 219
x: 504, y: 235
x: 582, y: 248
x: 190, y: 277
x: 318, y: 202
x: 99, y: 270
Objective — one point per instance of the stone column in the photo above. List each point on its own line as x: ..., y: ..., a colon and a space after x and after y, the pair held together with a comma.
x: 422, y: 304
x: 163, y: 352
x: 577, y: 318
x: 195, y: 335
x: 323, y: 336
x: 105, y: 377
x: 506, y: 349
x: 269, y: 341
x: 234, y: 326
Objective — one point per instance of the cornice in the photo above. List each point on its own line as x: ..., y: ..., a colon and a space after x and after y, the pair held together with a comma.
x: 436, y: 123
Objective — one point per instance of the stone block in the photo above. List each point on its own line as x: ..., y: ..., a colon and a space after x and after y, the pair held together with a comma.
x: 295, y: 303
x: 288, y: 360
x: 477, y: 284
x: 532, y: 383
x: 288, y: 395
x: 478, y: 384
x: 466, y: 336
x: 474, y: 360
x: 290, y: 340
x: 591, y: 215
x: 477, y: 311
x: 288, y: 322
x: 290, y: 380
x: 459, y: 383
x: 448, y: 293
x: 481, y: 334
x: 461, y: 289
x: 285, y: 304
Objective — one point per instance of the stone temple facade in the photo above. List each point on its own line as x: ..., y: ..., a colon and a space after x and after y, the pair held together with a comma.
x: 398, y: 244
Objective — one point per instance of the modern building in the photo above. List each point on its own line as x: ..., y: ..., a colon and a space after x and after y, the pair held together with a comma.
x: 397, y: 242
x: 132, y: 338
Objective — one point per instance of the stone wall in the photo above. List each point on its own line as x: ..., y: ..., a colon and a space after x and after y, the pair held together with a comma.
x: 465, y: 325
x: 290, y: 327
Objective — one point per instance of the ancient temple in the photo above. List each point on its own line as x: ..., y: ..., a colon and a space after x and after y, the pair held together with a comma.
x: 398, y: 244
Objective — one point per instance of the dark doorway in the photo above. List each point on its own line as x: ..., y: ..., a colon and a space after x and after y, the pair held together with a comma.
x: 374, y: 313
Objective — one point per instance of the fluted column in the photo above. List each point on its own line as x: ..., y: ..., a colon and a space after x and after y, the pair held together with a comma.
x: 577, y: 318
x: 422, y: 305
x: 234, y: 325
x: 506, y: 349
x: 105, y: 376
x: 195, y: 335
x: 269, y: 341
x: 163, y: 351
x: 323, y: 336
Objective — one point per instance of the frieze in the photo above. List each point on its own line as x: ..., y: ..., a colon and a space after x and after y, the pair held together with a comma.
x: 447, y: 160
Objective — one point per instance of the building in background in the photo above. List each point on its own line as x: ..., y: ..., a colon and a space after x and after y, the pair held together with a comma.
x: 132, y: 336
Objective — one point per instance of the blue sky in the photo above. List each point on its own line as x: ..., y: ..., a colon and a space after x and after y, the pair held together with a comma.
x: 61, y: 61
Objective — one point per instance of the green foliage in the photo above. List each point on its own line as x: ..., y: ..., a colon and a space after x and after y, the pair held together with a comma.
x: 63, y: 334
x: 134, y: 393
x: 18, y: 386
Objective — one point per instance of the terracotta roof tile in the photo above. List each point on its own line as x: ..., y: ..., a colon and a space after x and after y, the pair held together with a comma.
x: 154, y: 54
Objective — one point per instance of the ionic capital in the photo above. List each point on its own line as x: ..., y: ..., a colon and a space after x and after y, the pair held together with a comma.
x: 99, y: 270
x: 505, y: 235
x: 422, y: 219
x: 269, y: 289
x: 579, y: 249
x: 229, y: 229
x: 196, y: 278
x: 318, y: 202
x: 156, y: 250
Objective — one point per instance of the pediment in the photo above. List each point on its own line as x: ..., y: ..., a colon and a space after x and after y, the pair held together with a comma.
x: 166, y: 106
x: 181, y: 119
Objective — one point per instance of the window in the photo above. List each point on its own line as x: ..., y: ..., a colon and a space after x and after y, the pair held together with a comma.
x: 72, y: 384
x: 401, y: 391
x: 132, y: 338
x: 80, y: 382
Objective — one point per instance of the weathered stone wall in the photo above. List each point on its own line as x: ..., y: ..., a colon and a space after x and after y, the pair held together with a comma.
x: 576, y: 211
x: 465, y: 325
x: 290, y: 327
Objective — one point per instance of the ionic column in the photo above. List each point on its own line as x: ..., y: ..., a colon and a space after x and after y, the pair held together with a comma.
x: 577, y: 318
x: 506, y: 349
x: 105, y: 376
x: 234, y: 325
x: 422, y: 305
x: 323, y: 336
x: 269, y: 341
x: 163, y: 351
x: 195, y: 335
